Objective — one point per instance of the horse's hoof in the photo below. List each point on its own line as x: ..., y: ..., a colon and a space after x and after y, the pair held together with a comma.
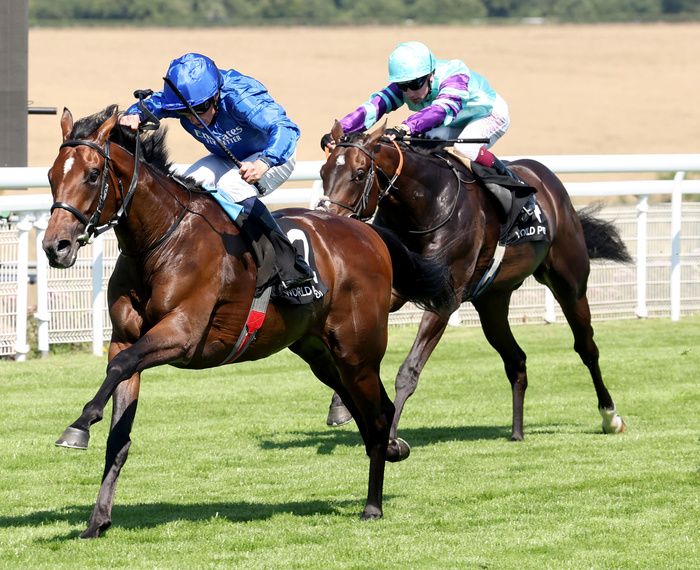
x: 338, y: 416
x: 371, y: 514
x: 612, y: 421
x: 95, y: 531
x: 74, y: 438
x: 397, y: 450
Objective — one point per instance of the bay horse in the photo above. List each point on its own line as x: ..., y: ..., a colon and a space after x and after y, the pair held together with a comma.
x: 438, y: 209
x: 182, y: 289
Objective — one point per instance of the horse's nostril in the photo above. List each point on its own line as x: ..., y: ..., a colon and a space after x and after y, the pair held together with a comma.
x: 63, y: 245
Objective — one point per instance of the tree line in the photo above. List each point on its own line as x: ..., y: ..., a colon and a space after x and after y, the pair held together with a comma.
x: 350, y: 12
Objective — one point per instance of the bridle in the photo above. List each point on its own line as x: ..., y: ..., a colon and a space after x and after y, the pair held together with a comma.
x: 363, y: 199
x: 91, y: 228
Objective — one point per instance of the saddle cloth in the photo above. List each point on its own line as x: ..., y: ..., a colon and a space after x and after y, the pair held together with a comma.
x: 526, y: 221
x: 305, y: 293
x: 264, y: 257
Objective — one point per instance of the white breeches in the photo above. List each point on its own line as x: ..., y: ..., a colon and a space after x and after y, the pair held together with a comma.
x: 215, y: 172
x: 492, y: 127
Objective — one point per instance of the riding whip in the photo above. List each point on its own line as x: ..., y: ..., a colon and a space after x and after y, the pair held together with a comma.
x: 433, y: 141
x: 259, y: 187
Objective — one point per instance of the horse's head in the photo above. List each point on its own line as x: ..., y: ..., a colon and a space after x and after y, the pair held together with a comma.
x: 350, y: 183
x: 80, y: 179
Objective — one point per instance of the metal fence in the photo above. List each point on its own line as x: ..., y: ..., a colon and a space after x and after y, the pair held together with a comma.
x: 8, y: 289
x: 664, y: 281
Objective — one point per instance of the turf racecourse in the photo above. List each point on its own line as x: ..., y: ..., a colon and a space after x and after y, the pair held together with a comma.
x: 234, y: 467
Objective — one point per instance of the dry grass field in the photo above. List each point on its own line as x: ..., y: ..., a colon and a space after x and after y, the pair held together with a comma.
x: 571, y: 89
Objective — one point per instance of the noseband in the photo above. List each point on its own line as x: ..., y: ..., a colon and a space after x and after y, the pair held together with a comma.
x: 363, y: 200
x: 91, y: 227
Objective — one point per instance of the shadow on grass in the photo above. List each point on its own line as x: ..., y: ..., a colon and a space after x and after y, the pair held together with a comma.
x: 326, y: 440
x: 151, y: 515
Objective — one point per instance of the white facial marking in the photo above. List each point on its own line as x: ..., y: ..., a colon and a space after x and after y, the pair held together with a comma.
x: 68, y: 165
x: 340, y: 161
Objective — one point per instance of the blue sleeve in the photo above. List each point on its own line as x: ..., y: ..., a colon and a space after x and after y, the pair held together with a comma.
x: 154, y: 105
x: 264, y: 114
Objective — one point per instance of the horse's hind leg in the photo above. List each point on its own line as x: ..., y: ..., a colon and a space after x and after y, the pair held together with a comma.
x: 362, y: 392
x: 493, y: 313
x: 319, y: 359
x: 578, y: 314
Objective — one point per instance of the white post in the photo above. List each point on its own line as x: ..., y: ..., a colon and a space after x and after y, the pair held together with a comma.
x: 455, y: 319
x: 549, y: 315
x: 23, y: 228
x: 642, y: 214
x: 42, y: 314
x: 316, y: 193
x: 97, y: 296
x: 676, y: 203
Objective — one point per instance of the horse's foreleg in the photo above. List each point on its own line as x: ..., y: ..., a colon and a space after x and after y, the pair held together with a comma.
x: 125, y: 400
x: 165, y: 342
x: 493, y: 314
x: 430, y: 332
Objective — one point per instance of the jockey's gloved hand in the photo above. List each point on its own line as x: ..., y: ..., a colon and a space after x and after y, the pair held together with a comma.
x: 326, y: 141
x: 396, y: 132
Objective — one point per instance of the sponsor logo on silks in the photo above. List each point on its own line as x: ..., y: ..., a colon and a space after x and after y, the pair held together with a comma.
x: 302, y: 291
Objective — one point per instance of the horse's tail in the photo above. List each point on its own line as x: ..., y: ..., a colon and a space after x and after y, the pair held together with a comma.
x: 603, y: 241
x: 417, y: 279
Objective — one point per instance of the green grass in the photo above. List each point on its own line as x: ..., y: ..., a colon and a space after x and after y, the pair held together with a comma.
x: 234, y: 467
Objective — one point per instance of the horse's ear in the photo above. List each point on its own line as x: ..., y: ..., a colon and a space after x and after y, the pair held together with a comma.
x: 105, y: 129
x: 337, y: 131
x: 66, y: 123
x: 376, y: 135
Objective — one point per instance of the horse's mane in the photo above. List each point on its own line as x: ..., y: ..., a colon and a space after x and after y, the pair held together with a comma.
x: 153, y: 149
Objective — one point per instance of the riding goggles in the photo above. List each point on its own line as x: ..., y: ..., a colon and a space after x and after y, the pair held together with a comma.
x: 199, y: 109
x: 414, y: 84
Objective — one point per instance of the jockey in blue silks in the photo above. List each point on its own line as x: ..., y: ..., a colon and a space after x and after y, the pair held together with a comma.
x: 448, y: 99
x: 243, y: 116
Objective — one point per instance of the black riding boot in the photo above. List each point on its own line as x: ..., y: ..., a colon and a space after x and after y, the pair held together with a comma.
x: 503, y: 170
x: 292, y: 269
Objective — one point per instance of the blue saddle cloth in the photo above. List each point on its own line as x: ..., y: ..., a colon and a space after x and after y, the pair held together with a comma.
x: 230, y: 207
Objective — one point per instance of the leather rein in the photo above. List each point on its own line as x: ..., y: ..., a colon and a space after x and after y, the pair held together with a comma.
x: 92, y: 230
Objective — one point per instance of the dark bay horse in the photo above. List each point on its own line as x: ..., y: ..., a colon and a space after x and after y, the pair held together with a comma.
x: 439, y: 211
x: 182, y: 289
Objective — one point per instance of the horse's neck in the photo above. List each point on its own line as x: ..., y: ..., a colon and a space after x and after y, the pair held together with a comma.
x: 156, y: 203
x: 423, y: 190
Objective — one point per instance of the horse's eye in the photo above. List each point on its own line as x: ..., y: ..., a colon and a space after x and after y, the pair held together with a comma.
x: 359, y: 175
x: 93, y: 175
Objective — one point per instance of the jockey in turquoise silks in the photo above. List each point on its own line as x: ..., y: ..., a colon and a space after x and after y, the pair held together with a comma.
x: 448, y: 99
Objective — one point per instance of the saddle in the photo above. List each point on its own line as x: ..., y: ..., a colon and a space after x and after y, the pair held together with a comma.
x: 512, y: 195
x: 268, y: 259
x: 523, y: 218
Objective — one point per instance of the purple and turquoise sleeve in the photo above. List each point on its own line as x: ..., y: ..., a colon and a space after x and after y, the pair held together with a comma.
x: 445, y: 107
x: 388, y: 99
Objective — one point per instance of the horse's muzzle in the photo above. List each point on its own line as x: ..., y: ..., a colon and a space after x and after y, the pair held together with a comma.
x: 61, y: 253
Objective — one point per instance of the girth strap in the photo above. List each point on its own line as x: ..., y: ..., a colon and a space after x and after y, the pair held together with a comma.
x: 254, y: 322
